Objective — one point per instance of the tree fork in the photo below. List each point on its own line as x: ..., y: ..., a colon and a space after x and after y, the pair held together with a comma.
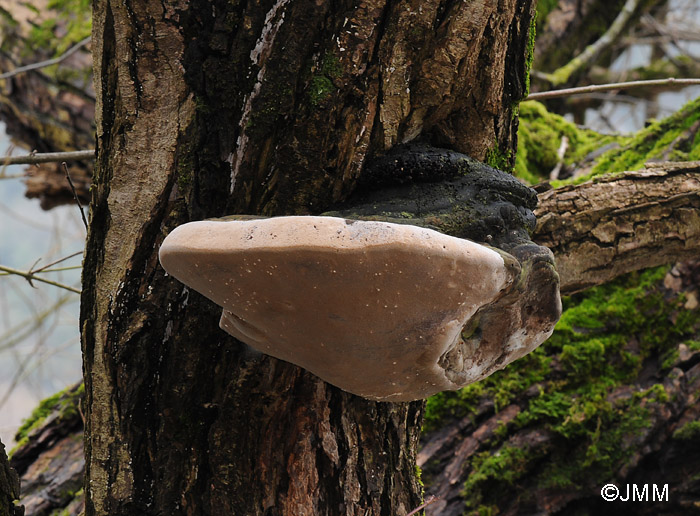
x: 268, y: 108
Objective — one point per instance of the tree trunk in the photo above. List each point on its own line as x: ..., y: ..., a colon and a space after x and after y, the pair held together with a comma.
x: 9, y: 487
x: 212, y: 108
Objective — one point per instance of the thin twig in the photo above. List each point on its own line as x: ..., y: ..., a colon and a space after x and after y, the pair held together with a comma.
x: 431, y: 499
x: 30, y: 276
x: 48, y: 157
x: 561, y: 152
x: 43, y: 269
x: 43, y: 64
x: 567, y: 92
x: 23, y: 330
x: 75, y: 195
x: 60, y: 269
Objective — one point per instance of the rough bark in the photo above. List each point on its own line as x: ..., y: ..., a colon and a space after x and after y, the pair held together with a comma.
x: 9, y: 487
x: 208, y: 108
x: 620, y: 223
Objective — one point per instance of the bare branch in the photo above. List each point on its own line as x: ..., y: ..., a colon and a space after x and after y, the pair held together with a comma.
x: 31, y: 276
x: 48, y: 157
x: 431, y: 499
x: 75, y: 195
x: 43, y: 64
x: 45, y: 268
x: 567, y: 92
x: 561, y: 151
x: 620, y: 223
x: 586, y: 58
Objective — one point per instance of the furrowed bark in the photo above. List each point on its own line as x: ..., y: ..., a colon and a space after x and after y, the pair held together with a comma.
x: 210, y: 108
x: 9, y: 487
x: 620, y: 223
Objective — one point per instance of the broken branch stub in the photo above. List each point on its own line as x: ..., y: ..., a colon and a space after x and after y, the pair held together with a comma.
x: 388, y: 311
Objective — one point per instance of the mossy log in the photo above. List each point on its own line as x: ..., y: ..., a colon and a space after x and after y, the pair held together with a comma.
x: 620, y: 223
x: 49, y: 458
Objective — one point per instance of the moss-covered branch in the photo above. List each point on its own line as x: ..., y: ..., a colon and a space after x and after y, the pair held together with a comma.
x: 583, y: 60
x: 616, y: 224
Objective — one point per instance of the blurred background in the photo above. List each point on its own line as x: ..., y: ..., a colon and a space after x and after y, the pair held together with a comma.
x: 39, y: 340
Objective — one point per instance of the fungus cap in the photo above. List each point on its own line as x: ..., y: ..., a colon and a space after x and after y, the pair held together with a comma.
x: 386, y: 311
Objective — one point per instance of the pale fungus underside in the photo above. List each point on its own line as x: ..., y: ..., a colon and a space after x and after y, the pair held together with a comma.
x: 390, y: 312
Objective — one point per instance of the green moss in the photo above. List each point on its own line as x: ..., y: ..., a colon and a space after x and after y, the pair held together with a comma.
x: 678, y: 67
x: 693, y: 345
x: 321, y: 84
x: 320, y: 89
x: 330, y: 66
x: 530, y: 51
x: 496, y: 158
x: 669, y: 359
x: 674, y: 134
x: 419, y: 475
x: 38, y: 415
x: 185, y: 164
x: 184, y: 174
x: 493, y: 474
x: 598, y: 429
x: 444, y: 406
x: 67, y: 404
x: 562, y: 75
x: 501, y: 388
x: 586, y: 396
x: 688, y: 432
x: 539, y: 138
x: 73, y: 17
x: 42, y: 35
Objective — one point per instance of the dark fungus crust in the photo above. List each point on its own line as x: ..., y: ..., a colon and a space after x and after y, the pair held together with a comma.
x: 447, y: 191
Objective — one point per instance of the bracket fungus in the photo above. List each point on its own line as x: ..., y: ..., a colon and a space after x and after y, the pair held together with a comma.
x: 385, y: 310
